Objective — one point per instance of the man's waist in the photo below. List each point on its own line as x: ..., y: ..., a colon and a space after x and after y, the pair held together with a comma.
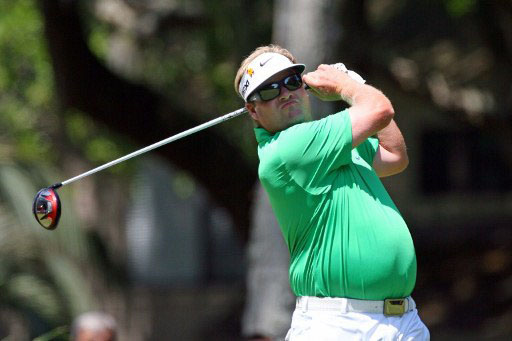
x: 388, y: 307
x: 378, y: 289
x: 336, y: 281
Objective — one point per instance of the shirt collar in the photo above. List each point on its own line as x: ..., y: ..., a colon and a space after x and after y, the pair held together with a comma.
x: 262, y: 135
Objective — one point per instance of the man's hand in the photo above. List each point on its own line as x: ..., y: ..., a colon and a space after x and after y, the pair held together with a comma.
x: 327, y: 82
x: 370, y: 111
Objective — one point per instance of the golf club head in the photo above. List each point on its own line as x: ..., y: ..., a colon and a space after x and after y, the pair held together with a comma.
x: 46, y: 208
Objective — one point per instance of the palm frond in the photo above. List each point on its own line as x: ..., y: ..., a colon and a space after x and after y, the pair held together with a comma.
x: 29, y: 292
x: 72, y: 284
x: 39, y: 268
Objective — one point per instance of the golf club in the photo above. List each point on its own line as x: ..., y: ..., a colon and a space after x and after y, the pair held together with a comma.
x: 47, y: 207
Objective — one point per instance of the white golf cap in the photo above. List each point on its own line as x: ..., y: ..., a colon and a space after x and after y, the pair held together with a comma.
x: 261, y: 69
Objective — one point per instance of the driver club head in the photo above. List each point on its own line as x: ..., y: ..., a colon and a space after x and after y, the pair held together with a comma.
x: 46, y: 208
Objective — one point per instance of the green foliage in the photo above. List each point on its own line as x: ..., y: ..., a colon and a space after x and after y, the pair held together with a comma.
x: 38, y: 268
x: 78, y: 127
x: 98, y: 40
x: 195, y: 63
x: 95, y: 142
x: 26, y: 82
x: 28, y: 111
x: 55, y: 334
x: 459, y: 8
x: 101, y: 149
x: 183, y: 185
x: 31, y: 293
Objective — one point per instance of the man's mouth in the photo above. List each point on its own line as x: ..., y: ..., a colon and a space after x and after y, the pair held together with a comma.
x: 288, y: 104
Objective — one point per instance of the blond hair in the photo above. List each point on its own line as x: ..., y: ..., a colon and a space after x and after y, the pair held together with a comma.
x: 256, y: 53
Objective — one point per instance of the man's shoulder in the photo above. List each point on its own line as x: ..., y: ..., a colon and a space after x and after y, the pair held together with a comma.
x: 318, y: 124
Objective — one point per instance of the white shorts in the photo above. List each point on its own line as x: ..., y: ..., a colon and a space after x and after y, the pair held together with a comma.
x: 313, y: 324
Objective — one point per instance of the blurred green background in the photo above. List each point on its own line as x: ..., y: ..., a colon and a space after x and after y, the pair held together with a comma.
x: 159, y: 241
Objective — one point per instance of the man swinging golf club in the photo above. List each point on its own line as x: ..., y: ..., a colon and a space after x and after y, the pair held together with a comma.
x: 352, y: 258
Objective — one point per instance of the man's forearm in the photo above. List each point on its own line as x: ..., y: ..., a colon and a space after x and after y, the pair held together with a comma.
x: 391, y: 157
x: 391, y: 139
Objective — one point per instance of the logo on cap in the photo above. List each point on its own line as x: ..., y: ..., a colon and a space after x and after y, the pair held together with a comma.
x: 250, y: 72
x: 244, y: 87
x: 265, y: 62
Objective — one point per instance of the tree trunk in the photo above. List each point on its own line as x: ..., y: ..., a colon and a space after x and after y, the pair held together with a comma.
x: 311, y: 31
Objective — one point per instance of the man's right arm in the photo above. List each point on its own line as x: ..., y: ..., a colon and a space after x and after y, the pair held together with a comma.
x: 370, y: 110
x: 371, y: 113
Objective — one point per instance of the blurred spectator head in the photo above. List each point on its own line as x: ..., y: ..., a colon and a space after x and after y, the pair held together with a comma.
x: 94, y: 326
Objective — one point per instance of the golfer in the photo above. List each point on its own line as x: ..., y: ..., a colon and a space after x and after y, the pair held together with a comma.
x: 352, y: 258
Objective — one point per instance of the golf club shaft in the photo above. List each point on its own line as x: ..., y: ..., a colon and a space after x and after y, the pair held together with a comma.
x: 156, y: 145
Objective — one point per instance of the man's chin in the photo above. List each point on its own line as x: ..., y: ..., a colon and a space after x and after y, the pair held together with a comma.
x: 295, y: 113
x: 299, y: 117
x: 296, y: 120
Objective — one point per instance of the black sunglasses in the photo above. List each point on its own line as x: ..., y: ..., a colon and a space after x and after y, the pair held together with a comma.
x: 270, y: 91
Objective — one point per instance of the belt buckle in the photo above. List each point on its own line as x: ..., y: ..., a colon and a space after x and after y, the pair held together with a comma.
x: 394, y: 306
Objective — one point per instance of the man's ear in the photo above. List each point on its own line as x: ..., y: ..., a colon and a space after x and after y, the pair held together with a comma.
x: 252, y: 110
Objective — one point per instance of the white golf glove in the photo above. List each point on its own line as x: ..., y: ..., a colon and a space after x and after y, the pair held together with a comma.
x: 350, y: 73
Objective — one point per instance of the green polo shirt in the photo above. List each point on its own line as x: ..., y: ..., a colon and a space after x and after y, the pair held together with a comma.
x: 345, y: 235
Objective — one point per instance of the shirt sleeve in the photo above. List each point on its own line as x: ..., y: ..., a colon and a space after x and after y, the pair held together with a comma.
x: 368, y: 149
x: 310, y: 151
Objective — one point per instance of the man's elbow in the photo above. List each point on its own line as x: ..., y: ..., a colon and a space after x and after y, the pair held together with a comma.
x: 402, y: 163
x: 396, y: 166
x: 385, y: 112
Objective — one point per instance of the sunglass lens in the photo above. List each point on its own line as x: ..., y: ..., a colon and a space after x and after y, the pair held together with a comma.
x: 268, y: 94
x: 293, y: 82
x: 271, y: 91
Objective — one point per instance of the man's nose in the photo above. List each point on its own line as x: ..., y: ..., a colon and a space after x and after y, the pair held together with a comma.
x: 285, y: 93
